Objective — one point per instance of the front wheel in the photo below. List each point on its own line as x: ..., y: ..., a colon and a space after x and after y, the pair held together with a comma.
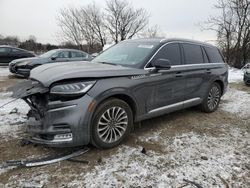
x: 111, y: 124
x: 212, y: 99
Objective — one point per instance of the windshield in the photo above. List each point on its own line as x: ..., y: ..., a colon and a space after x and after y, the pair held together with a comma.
x: 48, y: 54
x: 127, y: 53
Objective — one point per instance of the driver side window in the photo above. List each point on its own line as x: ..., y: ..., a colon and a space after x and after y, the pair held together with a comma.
x: 63, y: 55
x: 170, y: 52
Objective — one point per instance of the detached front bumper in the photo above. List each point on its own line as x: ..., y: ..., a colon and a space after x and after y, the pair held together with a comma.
x: 63, y: 123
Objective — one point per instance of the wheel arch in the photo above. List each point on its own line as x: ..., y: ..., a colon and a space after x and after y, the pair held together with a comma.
x: 121, y: 94
x: 221, y: 84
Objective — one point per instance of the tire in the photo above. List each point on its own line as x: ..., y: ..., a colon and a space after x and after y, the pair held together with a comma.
x: 112, y: 123
x: 212, y: 98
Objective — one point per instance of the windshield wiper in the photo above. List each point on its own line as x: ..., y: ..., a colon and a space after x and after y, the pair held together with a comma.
x: 103, y: 62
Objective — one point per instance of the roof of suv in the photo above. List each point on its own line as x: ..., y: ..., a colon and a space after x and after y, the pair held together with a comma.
x: 165, y: 40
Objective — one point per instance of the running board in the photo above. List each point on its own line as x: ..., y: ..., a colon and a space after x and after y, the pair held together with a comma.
x: 45, y: 160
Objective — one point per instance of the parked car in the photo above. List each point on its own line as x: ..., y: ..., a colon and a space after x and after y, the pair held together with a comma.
x: 247, y: 74
x: 8, y: 53
x: 98, y: 102
x: 22, y: 67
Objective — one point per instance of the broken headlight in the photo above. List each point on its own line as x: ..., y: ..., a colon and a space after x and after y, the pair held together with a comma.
x: 76, y: 88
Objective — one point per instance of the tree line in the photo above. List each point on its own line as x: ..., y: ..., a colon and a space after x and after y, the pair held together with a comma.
x: 31, y: 44
x: 232, y: 26
x: 90, y: 27
x: 115, y: 22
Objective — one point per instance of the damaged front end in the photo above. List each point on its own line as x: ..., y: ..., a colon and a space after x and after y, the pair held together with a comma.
x: 51, y: 120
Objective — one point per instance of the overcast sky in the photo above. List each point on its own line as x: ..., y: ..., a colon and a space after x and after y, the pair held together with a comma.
x: 176, y: 18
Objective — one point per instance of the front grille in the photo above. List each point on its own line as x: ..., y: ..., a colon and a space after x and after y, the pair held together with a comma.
x: 61, y: 126
x: 46, y: 136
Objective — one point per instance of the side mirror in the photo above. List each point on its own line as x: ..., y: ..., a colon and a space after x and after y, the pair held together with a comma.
x: 162, y: 64
x: 53, y: 58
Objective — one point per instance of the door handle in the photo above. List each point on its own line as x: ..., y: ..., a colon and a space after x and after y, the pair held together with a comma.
x: 178, y: 74
x: 208, y: 71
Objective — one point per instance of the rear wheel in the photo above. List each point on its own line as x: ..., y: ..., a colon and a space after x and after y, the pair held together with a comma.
x: 212, y: 99
x: 111, y: 124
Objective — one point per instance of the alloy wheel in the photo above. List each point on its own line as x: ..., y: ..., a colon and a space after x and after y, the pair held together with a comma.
x: 112, y: 124
x: 213, y: 98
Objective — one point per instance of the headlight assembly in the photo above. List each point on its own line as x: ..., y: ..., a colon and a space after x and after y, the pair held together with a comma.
x: 76, y: 88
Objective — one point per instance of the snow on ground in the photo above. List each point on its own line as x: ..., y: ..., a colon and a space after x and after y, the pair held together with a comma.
x: 4, y: 71
x: 236, y: 102
x: 12, y: 116
x: 37, y: 180
x: 235, y: 75
x: 203, y: 159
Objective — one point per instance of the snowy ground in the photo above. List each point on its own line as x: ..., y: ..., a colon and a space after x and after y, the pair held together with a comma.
x: 4, y: 71
x: 212, y: 150
x: 235, y: 75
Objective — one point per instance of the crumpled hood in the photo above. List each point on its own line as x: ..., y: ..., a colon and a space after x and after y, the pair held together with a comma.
x: 50, y: 73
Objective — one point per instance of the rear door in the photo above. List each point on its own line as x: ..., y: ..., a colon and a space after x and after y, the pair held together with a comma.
x: 78, y: 56
x: 197, y: 72
x: 16, y: 53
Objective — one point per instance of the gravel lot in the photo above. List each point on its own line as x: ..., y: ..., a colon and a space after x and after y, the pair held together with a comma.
x: 212, y: 150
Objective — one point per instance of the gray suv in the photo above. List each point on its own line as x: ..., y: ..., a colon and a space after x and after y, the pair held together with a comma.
x: 98, y: 102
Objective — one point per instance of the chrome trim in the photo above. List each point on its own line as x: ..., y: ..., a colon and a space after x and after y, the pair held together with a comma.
x: 188, y: 65
x: 62, y: 108
x: 200, y: 64
x: 174, y: 105
x: 84, y: 90
x: 150, y: 68
x: 145, y: 68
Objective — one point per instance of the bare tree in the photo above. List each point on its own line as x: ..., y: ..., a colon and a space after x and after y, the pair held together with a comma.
x: 151, y: 32
x: 70, y: 30
x: 123, y: 21
x: 93, y: 19
x: 89, y: 24
x: 233, y: 30
x: 83, y: 25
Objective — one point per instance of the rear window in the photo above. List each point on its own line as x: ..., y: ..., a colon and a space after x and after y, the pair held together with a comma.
x: 77, y: 55
x: 17, y: 50
x: 193, y: 54
x: 213, y: 55
x: 5, y: 50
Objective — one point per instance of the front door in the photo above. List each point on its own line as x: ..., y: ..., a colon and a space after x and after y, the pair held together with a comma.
x: 169, y: 84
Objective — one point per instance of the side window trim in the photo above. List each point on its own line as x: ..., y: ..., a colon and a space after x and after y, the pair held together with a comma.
x: 182, y: 54
x: 183, y: 60
x: 147, y: 66
x: 161, y: 48
x: 204, y: 54
x: 185, y: 55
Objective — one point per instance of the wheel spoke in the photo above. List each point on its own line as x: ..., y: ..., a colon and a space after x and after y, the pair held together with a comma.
x: 104, y: 117
x: 122, y: 118
x: 109, y: 116
x: 119, y: 132
x: 103, y: 128
x: 114, y: 134
x: 105, y: 132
